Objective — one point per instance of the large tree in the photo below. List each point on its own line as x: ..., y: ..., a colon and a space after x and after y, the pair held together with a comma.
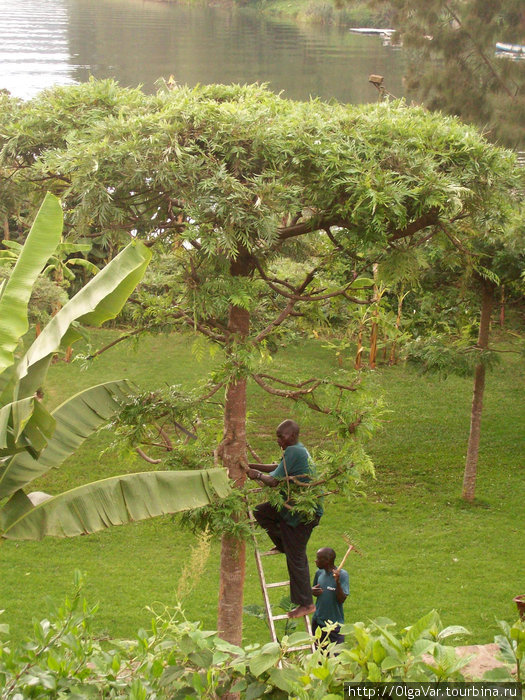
x: 253, y: 197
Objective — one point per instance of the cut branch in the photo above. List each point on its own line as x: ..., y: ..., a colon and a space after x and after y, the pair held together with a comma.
x: 253, y: 453
x: 184, y: 430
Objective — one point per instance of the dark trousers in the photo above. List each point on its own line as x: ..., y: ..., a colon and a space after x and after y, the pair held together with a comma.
x: 327, y: 637
x: 292, y: 541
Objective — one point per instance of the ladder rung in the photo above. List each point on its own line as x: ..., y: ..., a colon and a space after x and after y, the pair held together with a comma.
x: 280, y: 617
x: 270, y: 553
x: 300, y: 648
x: 278, y: 584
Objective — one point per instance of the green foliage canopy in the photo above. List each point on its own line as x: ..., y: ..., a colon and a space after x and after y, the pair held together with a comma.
x: 253, y: 198
x: 231, y: 166
x: 220, y: 174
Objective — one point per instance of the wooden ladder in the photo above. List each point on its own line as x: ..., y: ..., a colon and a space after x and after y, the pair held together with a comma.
x: 278, y: 584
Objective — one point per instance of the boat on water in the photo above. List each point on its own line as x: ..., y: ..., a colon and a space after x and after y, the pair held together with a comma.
x: 514, y: 49
x: 372, y: 30
x: 387, y: 35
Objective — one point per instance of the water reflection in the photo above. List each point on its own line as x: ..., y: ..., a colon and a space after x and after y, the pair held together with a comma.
x: 47, y: 41
x: 34, y: 45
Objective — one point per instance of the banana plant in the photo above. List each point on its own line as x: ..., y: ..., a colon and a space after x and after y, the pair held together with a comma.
x: 33, y: 440
x: 60, y: 264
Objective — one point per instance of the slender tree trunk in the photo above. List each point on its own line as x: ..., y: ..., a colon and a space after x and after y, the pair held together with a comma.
x: 502, y: 308
x: 6, y: 228
x: 233, y: 454
x: 471, y: 464
x: 373, y: 334
x: 373, y: 345
x: 385, y: 346
x: 359, y: 351
x: 400, y: 299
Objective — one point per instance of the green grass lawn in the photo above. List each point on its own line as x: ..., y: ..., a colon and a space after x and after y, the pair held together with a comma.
x: 423, y: 547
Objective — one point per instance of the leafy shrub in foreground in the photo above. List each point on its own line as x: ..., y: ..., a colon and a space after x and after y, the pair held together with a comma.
x: 177, y: 659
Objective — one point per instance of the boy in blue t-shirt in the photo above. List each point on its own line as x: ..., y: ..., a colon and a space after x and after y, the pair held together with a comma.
x: 331, y: 588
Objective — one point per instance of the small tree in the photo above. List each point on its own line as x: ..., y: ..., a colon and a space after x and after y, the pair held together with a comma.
x: 461, y: 343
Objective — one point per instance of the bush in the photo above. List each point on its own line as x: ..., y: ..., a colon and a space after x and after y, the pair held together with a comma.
x: 177, y: 659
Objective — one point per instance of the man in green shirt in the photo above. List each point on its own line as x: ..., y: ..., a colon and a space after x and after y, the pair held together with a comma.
x: 331, y: 588
x: 289, y: 532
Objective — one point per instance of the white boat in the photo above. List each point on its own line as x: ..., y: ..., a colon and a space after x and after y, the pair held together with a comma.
x: 372, y: 30
x: 510, y: 48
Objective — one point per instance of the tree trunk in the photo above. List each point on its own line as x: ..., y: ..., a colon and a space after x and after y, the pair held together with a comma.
x: 233, y: 454
x: 471, y: 464
x: 373, y: 334
x: 502, y: 308
x: 359, y: 351
x: 373, y: 345
x: 385, y: 346
x: 233, y: 551
x: 6, y: 228
x: 400, y: 299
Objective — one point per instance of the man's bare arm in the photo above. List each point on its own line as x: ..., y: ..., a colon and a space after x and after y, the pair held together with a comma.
x: 258, y: 475
x: 263, y: 467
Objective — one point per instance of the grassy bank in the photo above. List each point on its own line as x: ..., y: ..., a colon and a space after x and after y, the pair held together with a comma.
x: 355, y: 14
x: 424, y: 548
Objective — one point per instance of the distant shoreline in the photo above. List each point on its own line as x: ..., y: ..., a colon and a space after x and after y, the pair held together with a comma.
x: 308, y: 11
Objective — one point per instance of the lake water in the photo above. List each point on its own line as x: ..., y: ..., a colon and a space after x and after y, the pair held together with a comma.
x: 43, y: 42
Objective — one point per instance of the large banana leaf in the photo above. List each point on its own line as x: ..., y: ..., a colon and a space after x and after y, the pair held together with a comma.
x: 74, y: 421
x: 114, y: 501
x: 100, y: 300
x: 39, y: 246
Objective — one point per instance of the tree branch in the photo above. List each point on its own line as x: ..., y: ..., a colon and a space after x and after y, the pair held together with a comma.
x: 315, y: 223
x: 430, y: 218
x: 281, y: 392
x: 115, y: 342
x: 144, y: 456
x: 292, y: 384
x: 184, y: 316
x: 276, y: 322
x: 296, y: 293
x: 454, y: 240
x: 213, y: 391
